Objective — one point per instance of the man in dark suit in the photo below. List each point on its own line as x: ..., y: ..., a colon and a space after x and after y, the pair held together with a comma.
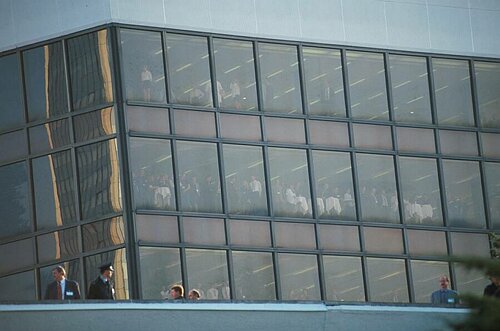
x: 62, y: 288
x: 102, y: 288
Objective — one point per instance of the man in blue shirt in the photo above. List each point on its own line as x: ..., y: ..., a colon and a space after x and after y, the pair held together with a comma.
x: 444, y: 296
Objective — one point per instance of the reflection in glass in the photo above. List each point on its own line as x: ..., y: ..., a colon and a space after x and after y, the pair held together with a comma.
x: 279, y: 70
x: 204, y: 231
x: 57, y: 245
x: 416, y: 140
x: 383, y: 240
x: 152, y: 174
x: 379, y: 201
x: 470, y: 281
x: 470, y: 244
x: 324, y: 81
x: 492, y: 173
x: 245, y: 181
x: 421, y: 194
x: 199, y: 177
x: 253, y: 276
x: 339, y: 237
x: 54, y: 189
x: 72, y: 273
x: 189, y: 71
x: 488, y: 85
x: 16, y: 255
x: 118, y: 259
x: 14, y: 145
x: 157, y: 229
x: 387, y: 280
x: 207, y: 272
x: 148, y: 119
x: 464, y: 194
x: 11, y: 109
x: 372, y: 136
x: 235, y: 69
x: 49, y: 136
x: 94, y: 125
x: 290, y: 182
x: 250, y: 233
x: 90, y: 66
x: 453, y: 92
x: 294, y: 235
x: 426, y: 278
x: 334, y: 188
x: 343, y: 278
x: 103, y: 234
x: 427, y: 243
x: 14, y: 200
x: 410, y: 89
x: 18, y: 287
x: 160, y: 270
x: 142, y: 57
x: 99, y: 179
x: 367, y: 85
x: 45, y: 80
x: 458, y: 142
x: 299, y: 277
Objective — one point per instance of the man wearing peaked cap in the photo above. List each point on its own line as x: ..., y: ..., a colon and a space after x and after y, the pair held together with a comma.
x: 102, y: 288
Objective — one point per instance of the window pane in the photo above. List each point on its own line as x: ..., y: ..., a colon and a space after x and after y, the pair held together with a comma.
x: 416, y: 140
x: 470, y: 281
x: 207, y: 272
x: 142, y: 57
x: 279, y: 72
x: 453, y: 92
x: 458, y: 142
x: 245, y: 181
x: 290, y: 182
x: 152, y: 174
x: 94, y: 125
x: 387, y: 280
x: 253, y: 276
x: 250, y: 233
x: 11, y: 109
x: 410, y: 89
x: 492, y: 173
x: 240, y: 127
x: 72, y: 273
x: 148, y: 119
x: 329, y: 133
x: 54, y: 189
x: 58, y: 245
x: 13, y: 145
x: 464, y: 194
x: 372, y: 136
x: 367, y: 85
x: 470, y: 244
x: 421, y: 194
x: 426, y: 278
x: 343, y: 278
x: 339, y: 237
x: 490, y: 142
x: 235, y: 69
x: 160, y: 270
x: 380, y: 240
x: 45, y: 81
x: 16, y: 255
x: 204, y: 231
x: 295, y: 235
x: 299, y: 277
x: 90, y: 69
x: 199, y: 177
x: 158, y: 229
x: 104, y: 234
x: 46, y: 137
x: 118, y: 259
x: 18, y: 287
x: 334, y: 188
x: 189, y: 70
x: 488, y: 85
x: 14, y: 200
x: 99, y: 179
x: 195, y: 123
x: 427, y: 243
x: 285, y: 130
x: 379, y: 201
x: 324, y: 81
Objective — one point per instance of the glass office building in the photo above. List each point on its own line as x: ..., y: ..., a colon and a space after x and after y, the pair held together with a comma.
x: 248, y: 168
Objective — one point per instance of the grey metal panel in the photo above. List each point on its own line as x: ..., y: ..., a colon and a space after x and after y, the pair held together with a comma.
x: 190, y: 14
x: 449, y: 29
x: 364, y: 22
x: 139, y: 11
x: 407, y: 25
x: 278, y: 17
x: 234, y: 16
x: 322, y: 20
x: 485, y: 26
x: 27, y: 23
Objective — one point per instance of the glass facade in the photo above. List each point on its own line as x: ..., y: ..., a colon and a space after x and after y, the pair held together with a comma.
x: 247, y: 169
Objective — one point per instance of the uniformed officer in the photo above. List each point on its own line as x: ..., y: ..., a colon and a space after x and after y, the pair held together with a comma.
x: 102, y: 288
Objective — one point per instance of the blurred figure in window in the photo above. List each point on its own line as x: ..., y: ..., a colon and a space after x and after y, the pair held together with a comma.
x: 234, y: 86
x: 177, y: 292
x: 194, y: 294
x: 444, y: 295
x: 493, y: 289
x: 147, y: 81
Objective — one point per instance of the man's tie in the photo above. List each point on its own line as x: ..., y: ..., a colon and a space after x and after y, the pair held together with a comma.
x: 59, y: 291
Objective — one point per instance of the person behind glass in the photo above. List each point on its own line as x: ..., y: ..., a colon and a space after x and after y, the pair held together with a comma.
x: 444, y: 295
x: 102, y: 287
x: 177, y: 292
x: 194, y: 295
x: 61, y: 288
x: 493, y: 289
x: 147, y: 81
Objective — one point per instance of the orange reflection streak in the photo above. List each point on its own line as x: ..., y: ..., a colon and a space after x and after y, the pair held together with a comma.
x: 102, y: 40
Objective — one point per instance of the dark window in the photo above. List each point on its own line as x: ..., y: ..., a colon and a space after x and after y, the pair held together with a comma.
x: 207, y: 272
x: 160, y: 270
x: 204, y: 231
x: 147, y: 119
x: 343, y: 278
x: 11, y: 109
x: 104, y: 234
x: 194, y: 123
x: 387, y: 280
x: 488, y: 85
x: 57, y: 245
x: 94, y: 125
x: 18, y: 287
x: 253, y: 276
x: 16, y: 255
x: 49, y: 136
x: 158, y: 229
x: 299, y: 277
x: 13, y: 145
